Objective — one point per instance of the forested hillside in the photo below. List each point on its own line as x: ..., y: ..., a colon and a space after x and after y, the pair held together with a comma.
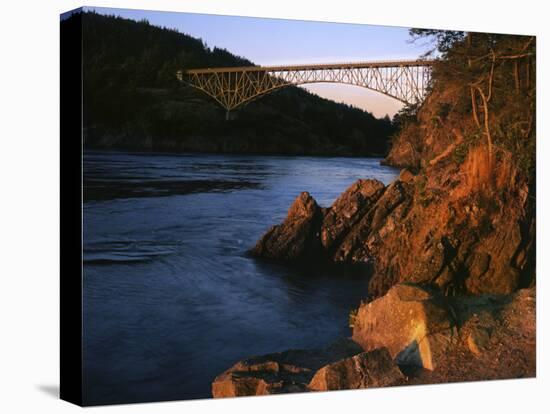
x: 132, y: 100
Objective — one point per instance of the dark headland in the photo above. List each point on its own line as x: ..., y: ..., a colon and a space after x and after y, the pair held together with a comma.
x: 133, y: 101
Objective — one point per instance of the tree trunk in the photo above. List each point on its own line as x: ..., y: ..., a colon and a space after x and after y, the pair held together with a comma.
x: 528, y: 73
x: 474, y: 106
x: 486, y: 122
x: 516, y: 76
x: 469, y: 43
x: 472, y: 91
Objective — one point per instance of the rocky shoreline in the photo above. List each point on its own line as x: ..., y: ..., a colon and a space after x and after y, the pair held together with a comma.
x: 452, y: 290
x: 424, y: 339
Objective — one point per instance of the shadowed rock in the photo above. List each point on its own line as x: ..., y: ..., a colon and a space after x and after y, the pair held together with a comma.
x: 284, y: 372
x: 297, y: 237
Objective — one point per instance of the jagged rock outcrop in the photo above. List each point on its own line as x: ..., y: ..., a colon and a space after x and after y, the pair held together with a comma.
x: 339, y: 232
x: 442, y: 229
x: 365, y: 370
x: 362, y: 242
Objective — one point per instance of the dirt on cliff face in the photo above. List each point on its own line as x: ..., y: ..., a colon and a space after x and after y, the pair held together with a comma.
x: 495, y: 338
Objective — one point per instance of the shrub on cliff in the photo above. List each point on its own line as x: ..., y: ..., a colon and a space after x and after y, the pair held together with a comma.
x: 483, y: 86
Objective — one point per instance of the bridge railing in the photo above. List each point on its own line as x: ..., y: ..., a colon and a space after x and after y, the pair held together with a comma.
x: 312, y: 66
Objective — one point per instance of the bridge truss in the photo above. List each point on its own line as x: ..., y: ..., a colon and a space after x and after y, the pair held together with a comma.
x: 231, y: 87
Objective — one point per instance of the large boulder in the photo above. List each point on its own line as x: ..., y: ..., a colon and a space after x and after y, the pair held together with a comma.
x: 297, y: 237
x: 284, y: 372
x: 365, y: 370
x: 411, y: 322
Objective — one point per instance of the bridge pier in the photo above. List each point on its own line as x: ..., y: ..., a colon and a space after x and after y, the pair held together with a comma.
x: 227, y: 115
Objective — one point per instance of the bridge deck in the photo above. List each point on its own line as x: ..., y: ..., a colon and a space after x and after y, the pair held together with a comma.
x: 344, y: 65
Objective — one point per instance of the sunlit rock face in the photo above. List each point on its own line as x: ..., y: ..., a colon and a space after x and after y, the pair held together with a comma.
x: 440, y: 334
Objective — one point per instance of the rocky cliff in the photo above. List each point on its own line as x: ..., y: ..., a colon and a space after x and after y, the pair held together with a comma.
x: 450, y: 243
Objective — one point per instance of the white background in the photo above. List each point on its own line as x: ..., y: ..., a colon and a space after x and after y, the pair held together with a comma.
x: 29, y: 207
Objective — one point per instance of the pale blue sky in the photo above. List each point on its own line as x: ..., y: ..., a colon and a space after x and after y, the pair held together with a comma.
x: 279, y: 41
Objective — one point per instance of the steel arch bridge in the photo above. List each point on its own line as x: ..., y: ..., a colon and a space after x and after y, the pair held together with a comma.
x: 231, y: 87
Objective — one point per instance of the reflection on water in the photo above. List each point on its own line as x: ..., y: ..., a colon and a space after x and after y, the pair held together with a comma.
x: 171, y: 299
